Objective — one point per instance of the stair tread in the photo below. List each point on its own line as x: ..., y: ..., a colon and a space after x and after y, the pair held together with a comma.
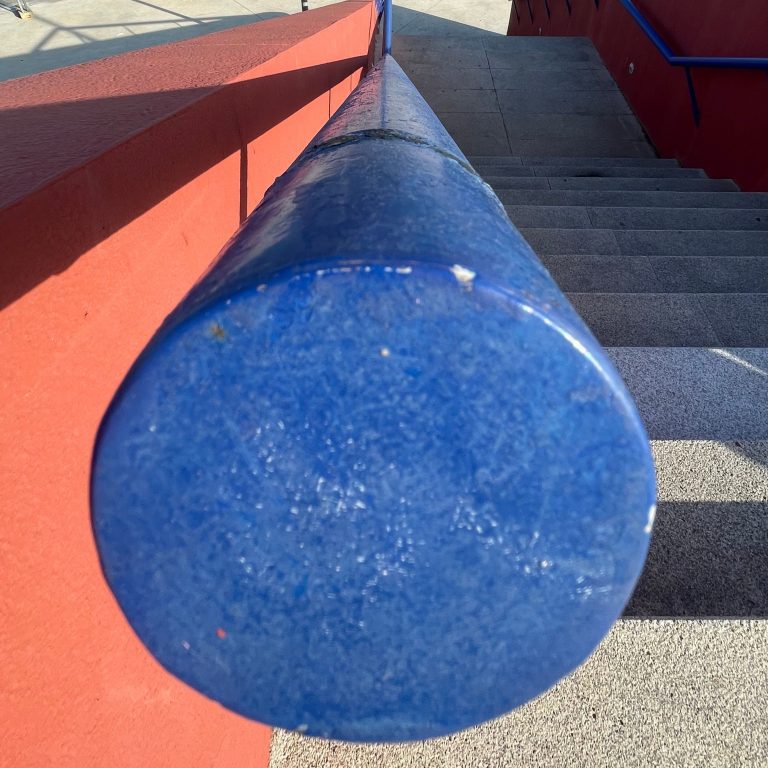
x: 610, y: 184
x: 480, y: 161
x: 658, y: 274
x: 680, y: 392
x: 638, y: 183
x: 675, y: 319
x: 591, y: 171
x: 633, y: 198
x: 649, y: 242
x: 637, y: 218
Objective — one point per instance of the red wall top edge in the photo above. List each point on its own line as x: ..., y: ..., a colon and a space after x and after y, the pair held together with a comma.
x: 730, y: 140
x: 54, y: 121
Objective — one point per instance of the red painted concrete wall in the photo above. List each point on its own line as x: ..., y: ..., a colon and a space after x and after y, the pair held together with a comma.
x: 121, y: 180
x: 732, y: 140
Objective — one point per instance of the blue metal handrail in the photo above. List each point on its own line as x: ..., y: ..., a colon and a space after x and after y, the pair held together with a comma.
x: 385, y: 8
x: 373, y: 479
x: 689, y: 62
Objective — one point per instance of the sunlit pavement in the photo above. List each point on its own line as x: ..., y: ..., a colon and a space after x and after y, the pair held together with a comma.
x: 65, y: 32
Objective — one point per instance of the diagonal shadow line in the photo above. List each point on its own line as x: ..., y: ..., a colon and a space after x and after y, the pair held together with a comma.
x: 39, y: 60
x: 168, y: 11
x: 192, y: 130
x: 707, y: 560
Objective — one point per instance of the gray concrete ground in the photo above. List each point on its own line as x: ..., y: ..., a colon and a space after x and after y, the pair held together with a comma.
x: 64, y: 32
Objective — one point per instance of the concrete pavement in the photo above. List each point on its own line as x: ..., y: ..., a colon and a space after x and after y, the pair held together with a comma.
x: 65, y: 32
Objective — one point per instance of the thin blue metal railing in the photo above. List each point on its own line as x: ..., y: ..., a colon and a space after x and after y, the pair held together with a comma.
x: 686, y: 62
x: 385, y: 7
x: 690, y: 62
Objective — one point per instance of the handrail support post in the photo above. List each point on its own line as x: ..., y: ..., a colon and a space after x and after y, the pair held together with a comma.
x: 387, y: 43
x: 694, y: 100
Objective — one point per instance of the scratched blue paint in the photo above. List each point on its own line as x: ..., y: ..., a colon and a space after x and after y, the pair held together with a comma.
x: 373, y: 479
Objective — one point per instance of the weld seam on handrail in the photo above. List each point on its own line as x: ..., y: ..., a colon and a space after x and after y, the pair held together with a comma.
x: 388, y: 134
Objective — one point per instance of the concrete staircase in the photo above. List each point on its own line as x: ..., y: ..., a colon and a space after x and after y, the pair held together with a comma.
x: 670, y: 270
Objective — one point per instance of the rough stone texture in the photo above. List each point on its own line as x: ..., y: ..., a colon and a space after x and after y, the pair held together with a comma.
x: 577, y: 103
x: 644, y: 184
x: 611, y: 162
x: 698, y: 394
x: 679, y: 218
x: 709, y: 553
x: 566, y: 217
x: 715, y: 274
x: 427, y: 78
x: 664, y: 274
x: 553, y: 80
x: 557, y: 126
x: 603, y: 274
x: 692, y: 243
x: 656, y: 218
x: 672, y: 243
x: 519, y: 182
x: 645, y: 319
x: 473, y: 135
x: 623, y: 171
x: 584, y: 146
x: 600, y: 242
x: 629, y: 198
x: 655, y: 693
x: 445, y: 100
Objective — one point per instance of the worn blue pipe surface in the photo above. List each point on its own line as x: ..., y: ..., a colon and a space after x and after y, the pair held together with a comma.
x: 373, y: 479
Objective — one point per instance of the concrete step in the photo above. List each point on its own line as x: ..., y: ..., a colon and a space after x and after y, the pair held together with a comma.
x: 473, y: 100
x: 618, y: 184
x: 562, y: 103
x: 554, y: 80
x: 553, y: 169
x: 543, y: 46
x: 709, y: 552
x: 459, y: 57
x: 517, y: 59
x: 523, y: 102
x: 655, y: 692
x: 588, y: 127
x: 715, y: 393
x: 658, y: 274
x: 579, y: 147
x: 667, y: 242
x: 480, y: 162
x: 534, y: 44
x: 749, y: 219
x: 464, y: 52
x: 636, y: 199
x: 582, y: 217
x: 427, y: 77
x: 686, y: 184
x: 675, y: 319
